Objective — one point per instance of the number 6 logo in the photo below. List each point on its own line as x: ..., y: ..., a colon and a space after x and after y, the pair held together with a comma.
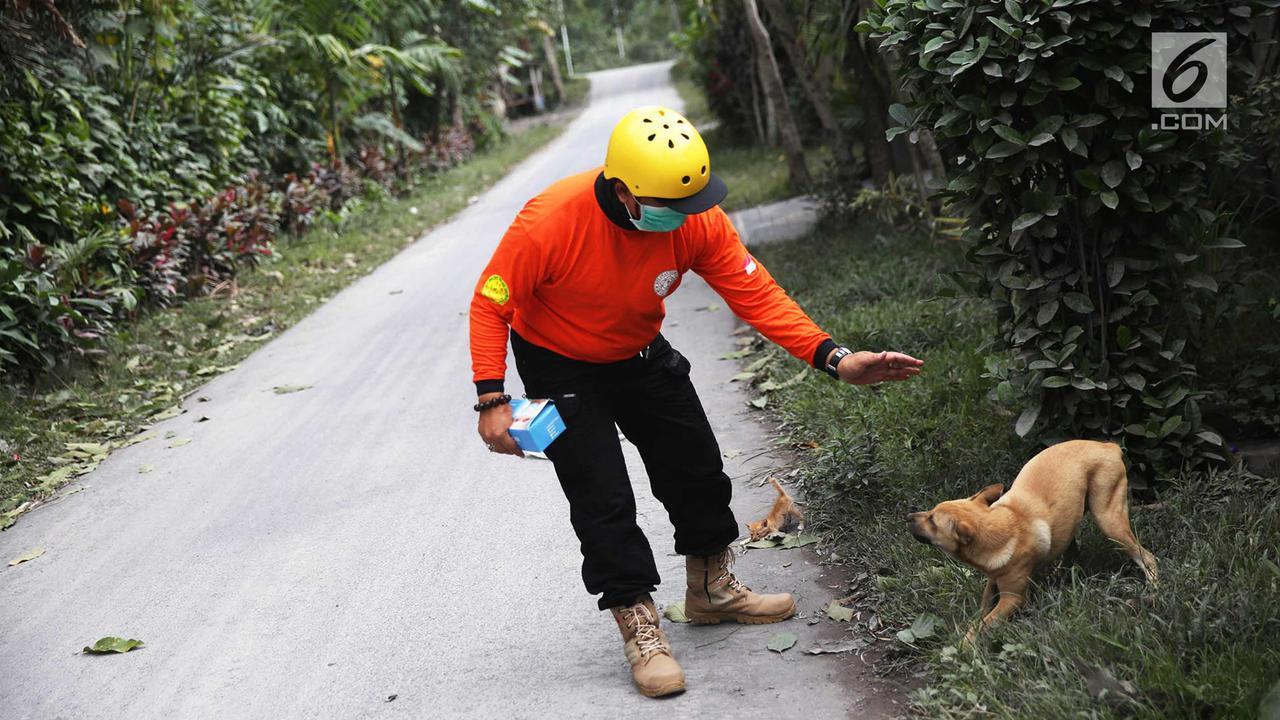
x: 1188, y: 70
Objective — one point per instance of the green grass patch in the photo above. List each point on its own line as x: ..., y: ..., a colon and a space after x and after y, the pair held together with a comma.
x: 576, y: 91
x: 63, y: 426
x: 1206, y: 643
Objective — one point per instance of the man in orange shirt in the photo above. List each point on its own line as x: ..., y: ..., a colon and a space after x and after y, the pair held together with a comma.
x: 578, y: 283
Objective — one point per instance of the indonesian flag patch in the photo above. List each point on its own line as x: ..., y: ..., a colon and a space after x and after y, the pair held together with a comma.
x: 749, y: 265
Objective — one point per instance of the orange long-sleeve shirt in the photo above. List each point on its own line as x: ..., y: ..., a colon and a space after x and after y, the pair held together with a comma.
x: 569, y: 279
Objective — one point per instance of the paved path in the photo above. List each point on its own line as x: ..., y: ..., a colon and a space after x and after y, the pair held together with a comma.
x: 310, y: 555
x: 776, y: 221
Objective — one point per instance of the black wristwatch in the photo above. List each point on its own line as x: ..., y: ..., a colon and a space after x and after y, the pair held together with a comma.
x: 833, y: 362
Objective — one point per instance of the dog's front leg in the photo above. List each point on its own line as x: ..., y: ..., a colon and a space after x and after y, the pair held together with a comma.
x: 988, y: 593
x: 1011, y: 594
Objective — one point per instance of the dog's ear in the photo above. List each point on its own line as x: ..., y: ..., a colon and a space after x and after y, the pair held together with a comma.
x: 964, y: 531
x: 989, y: 494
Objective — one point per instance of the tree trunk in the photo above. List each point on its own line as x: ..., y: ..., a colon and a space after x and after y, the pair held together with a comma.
x: 775, y: 95
x: 876, y: 109
x: 770, y: 117
x: 929, y: 149
x: 549, y: 54
x: 335, y: 145
x: 814, y: 80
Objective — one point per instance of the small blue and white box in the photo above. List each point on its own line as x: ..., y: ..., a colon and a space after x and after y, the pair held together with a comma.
x: 535, y: 424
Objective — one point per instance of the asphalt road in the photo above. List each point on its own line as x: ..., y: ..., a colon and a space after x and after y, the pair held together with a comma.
x: 311, y: 555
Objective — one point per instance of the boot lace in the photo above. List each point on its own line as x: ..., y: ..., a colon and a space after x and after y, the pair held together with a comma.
x: 647, y: 639
x: 724, y: 563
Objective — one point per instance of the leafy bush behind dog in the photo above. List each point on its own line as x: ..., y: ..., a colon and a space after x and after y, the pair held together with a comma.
x: 1093, y: 232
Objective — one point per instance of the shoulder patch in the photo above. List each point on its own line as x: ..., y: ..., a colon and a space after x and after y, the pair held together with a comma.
x: 495, y: 288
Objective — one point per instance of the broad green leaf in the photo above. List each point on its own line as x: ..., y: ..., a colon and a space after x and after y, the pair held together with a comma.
x: 1067, y: 83
x: 1026, y: 220
x: 1046, y: 312
x: 1027, y: 420
x: 760, y: 402
x: 799, y: 540
x: 1169, y: 425
x: 782, y: 642
x: 1202, y: 281
x: 1078, y: 302
x: 286, y: 389
x: 1008, y: 133
x: 1109, y: 198
x: 1087, y: 178
x: 110, y: 644
x: 1055, y: 381
x: 1005, y: 27
x: 1225, y: 244
x: 763, y: 543
x: 1113, y: 173
x: 1004, y: 149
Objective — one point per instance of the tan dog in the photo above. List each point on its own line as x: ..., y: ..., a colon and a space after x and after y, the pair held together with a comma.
x: 1005, y: 535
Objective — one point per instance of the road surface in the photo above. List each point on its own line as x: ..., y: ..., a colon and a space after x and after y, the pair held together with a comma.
x: 312, y: 555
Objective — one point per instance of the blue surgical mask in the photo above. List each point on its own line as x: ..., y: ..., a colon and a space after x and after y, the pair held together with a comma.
x: 658, y: 219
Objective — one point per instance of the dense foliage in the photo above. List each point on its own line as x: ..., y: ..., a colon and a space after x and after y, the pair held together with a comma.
x: 1095, y: 233
x: 149, y: 149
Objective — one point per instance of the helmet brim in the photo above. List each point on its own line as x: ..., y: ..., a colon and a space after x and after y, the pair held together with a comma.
x: 703, y: 200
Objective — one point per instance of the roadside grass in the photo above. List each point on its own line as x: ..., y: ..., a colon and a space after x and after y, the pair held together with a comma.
x: 576, y: 91
x: 1094, y: 640
x: 755, y: 174
x: 63, y: 426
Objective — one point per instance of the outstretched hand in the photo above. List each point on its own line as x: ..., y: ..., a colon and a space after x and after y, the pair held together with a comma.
x: 868, y: 368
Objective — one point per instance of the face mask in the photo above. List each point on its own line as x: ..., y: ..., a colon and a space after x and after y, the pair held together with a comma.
x: 658, y: 219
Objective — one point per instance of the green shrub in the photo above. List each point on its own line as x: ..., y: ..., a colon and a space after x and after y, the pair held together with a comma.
x: 1090, y: 229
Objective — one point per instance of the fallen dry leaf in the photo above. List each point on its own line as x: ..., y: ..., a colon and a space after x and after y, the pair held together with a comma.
x: 837, y: 646
x: 26, y: 557
x: 675, y: 612
x: 839, y: 613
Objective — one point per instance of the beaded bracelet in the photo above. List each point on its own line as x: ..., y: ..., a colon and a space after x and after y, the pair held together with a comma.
x: 492, y: 403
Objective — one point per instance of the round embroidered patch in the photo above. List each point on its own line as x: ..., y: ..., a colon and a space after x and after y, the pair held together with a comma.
x: 662, y: 284
x: 495, y: 288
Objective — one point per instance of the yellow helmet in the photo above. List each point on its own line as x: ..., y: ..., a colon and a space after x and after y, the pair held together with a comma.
x: 658, y: 153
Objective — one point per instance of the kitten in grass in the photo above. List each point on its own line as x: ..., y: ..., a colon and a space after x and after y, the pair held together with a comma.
x: 783, y: 513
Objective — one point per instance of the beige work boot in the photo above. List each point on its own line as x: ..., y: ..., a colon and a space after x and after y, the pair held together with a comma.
x: 653, y: 669
x: 715, y: 595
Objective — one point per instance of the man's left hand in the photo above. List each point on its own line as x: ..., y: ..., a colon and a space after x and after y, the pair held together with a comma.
x: 868, y: 368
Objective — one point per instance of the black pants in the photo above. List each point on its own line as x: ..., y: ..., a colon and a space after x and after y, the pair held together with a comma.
x: 650, y: 398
